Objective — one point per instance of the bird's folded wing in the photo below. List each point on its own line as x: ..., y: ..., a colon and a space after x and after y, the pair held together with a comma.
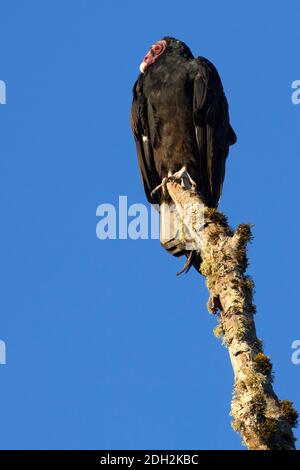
x: 140, y: 128
x: 212, y: 127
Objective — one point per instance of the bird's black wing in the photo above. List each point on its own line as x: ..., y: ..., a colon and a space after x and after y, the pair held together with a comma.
x: 140, y: 127
x: 213, y: 131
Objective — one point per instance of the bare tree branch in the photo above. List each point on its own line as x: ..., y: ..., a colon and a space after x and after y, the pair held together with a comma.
x: 263, y: 421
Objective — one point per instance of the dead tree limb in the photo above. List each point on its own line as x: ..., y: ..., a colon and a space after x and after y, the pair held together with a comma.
x: 263, y: 421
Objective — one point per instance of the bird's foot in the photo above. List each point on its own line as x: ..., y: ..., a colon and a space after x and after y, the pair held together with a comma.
x: 184, y: 178
x: 162, y: 186
x: 181, y: 176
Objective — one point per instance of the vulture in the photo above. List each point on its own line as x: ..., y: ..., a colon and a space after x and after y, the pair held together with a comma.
x: 180, y: 122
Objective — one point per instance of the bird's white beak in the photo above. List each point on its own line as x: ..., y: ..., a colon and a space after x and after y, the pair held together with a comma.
x: 143, y: 67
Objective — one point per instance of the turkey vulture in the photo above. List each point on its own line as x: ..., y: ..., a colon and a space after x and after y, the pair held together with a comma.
x: 179, y: 118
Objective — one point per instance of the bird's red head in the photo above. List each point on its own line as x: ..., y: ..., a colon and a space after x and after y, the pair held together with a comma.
x: 155, y: 51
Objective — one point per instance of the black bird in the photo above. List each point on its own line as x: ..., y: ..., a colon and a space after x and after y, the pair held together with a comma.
x: 180, y: 122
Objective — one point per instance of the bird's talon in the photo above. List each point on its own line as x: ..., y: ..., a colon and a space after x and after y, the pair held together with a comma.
x: 162, y: 186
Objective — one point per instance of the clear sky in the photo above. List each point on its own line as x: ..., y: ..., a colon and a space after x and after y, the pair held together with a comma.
x: 106, y: 347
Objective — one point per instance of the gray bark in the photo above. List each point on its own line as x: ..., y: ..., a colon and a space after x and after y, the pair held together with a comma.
x: 263, y: 421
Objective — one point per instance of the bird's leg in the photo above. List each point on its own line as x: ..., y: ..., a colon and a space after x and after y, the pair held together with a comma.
x: 191, y: 181
x: 185, y: 179
x: 162, y: 186
x: 182, y: 176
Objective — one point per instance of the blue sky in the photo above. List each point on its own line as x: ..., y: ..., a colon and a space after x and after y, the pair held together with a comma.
x: 106, y: 347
